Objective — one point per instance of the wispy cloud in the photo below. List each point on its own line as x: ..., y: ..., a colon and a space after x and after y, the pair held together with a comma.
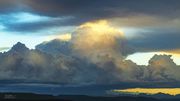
x: 4, y: 48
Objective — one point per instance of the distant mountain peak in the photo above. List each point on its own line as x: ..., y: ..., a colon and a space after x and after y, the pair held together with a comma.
x: 19, y: 47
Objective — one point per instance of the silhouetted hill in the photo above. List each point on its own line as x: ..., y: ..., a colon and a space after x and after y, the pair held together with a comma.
x: 28, y: 97
x: 117, y: 98
x: 120, y: 98
x: 40, y: 97
x: 46, y: 97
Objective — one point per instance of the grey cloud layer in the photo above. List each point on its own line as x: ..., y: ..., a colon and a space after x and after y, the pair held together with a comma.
x: 88, y: 10
x: 106, y: 8
x: 156, y: 41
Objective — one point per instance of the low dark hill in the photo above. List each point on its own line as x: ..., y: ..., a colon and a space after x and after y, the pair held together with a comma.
x: 28, y: 97
x: 122, y: 98
x: 41, y: 97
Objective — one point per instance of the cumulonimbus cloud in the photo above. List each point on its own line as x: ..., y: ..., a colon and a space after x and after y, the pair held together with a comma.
x: 94, y: 55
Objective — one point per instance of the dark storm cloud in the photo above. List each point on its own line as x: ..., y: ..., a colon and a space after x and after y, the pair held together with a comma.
x: 156, y: 41
x: 9, y: 6
x: 92, y: 7
x: 105, y: 8
x: 86, y: 10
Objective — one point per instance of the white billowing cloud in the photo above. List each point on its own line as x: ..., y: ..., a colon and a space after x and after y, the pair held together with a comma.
x: 3, y: 49
x: 142, y: 58
x: 162, y: 68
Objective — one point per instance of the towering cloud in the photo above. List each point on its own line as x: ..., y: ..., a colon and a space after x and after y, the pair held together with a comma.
x: 97, y: 38
x: 105, y: 46
x: 94, y: 55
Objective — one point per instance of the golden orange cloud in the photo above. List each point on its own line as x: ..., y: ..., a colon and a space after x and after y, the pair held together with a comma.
x: 174, y: 51
x: 97, y: 38
x: 170, y: 91
x: 63, y: 37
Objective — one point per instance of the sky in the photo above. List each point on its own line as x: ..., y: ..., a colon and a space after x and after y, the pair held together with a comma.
x: 149, y: 26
